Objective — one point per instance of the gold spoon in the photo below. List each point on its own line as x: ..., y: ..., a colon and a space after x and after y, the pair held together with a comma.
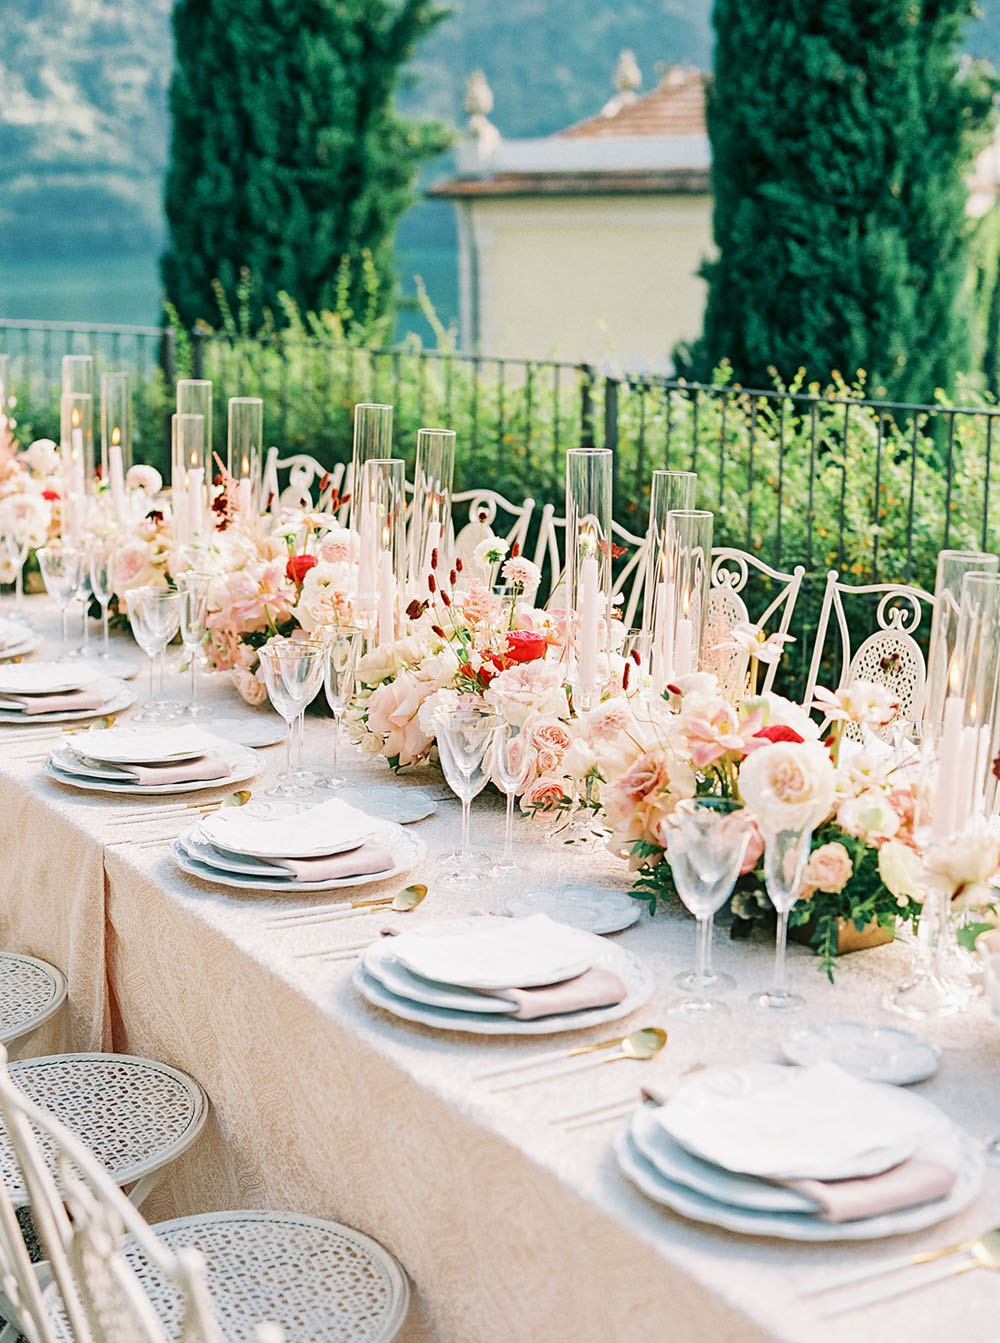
x: 402, y: 902
x: 640, y: 1046
x: 238, y: 799
x: 53, y: 734
x: 554, y: 1054
x: 984, y: 1252
x: 989, y: 1239
x: 98, y: 725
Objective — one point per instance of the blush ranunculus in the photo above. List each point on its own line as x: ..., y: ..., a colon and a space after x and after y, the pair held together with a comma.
x: 526, y: 645
x: 298, y: 566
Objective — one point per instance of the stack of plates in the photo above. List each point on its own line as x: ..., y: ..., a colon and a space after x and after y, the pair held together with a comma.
x: 256, y: 847
x: 16, y: 639
x: 453, y: 974
x: 128, y: 759
x: 62, y: 684
x: 725, y: 1145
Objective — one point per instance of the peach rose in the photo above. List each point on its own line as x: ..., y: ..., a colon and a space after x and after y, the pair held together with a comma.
x: 545, y: 794
x: 131, y: 568
x: 755, y: 850
x: 551, y: 736
x: 829, y: 869
x: 253, y: 690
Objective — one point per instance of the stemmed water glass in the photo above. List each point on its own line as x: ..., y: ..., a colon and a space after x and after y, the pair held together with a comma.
x: 340, y: 660
x: 510, y: 754
x: 99, y: 553
x: 193, y: 588
x: 293, y: 673
x: 155, y: 615
x: 83, y: 594
x: 465, y: 738
x: 786, y: 854
x: 60, y: 567
x: 14, y: 546
x: 707, y: 842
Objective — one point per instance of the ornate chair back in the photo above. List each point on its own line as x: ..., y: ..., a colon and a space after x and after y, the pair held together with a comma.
x: 305, y: 476
x: 485, y: 509
x: 727, y: 608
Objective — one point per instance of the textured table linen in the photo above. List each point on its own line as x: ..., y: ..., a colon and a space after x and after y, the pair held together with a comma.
x: 510, y: 1228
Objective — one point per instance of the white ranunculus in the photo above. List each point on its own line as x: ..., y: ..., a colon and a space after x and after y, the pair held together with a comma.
x: 963, y: 866
x: 42, y: 457
x: 790, y: 785
x: 145, y: 478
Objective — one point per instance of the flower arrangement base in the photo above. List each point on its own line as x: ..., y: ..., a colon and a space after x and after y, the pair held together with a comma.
x: 849, y: 938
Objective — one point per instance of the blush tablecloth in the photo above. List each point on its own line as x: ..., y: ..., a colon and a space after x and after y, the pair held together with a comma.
x: 510, y: 1228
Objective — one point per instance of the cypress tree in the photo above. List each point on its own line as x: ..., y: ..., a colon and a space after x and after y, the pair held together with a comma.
x: 841, y: 132
x: 287, y: 154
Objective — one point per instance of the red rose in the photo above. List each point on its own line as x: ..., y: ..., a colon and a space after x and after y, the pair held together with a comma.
x: 525, y: 646
x: 779, y: 733
x: 484, y: 675
x: 298, y: 566
x: 50, y: 495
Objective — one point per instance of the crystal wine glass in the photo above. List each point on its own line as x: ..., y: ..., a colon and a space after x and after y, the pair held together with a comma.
x: 510, y: 755
x: 293, y: 673
x: 786, y: 853
x: 340, y: 660
x: 464, y: 739
x: 60, y: 567
x: 707, y: 842
x: 154, y: 614
x: 14, y: 546
x: 99, y: 553
x: 193, y: 588
x: 83, y: 595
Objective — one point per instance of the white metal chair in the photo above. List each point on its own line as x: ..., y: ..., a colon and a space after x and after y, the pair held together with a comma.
x: 731, y: 570
x: 627, y: 590
x: 303, y: 472
x: 111, y: 1278
x: 890, y: 656
x: 484, y: 508
x: 31, y: 991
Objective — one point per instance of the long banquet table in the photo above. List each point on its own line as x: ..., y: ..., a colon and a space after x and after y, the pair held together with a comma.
x: 510, y: 1227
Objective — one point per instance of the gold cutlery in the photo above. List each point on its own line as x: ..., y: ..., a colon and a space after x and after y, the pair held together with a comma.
x: 983, y: 1252
x: 402, y: 902
x: 352, y: 949
x: 640, y: 1046
x: 54, y: 733
x: 238, y: 799
x: 862, y: 1275
x: 624, y: 1104
x: 553, y: 1054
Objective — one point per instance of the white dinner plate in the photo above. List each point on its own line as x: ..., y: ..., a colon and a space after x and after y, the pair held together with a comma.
x: 483, y: 952
x: 249, y: 729
x: 407, y: 849
x: 117, y: 696
x: 955, y: 1147
x: 786, y: 1123
x: 630, y: 970
x: 388, y: 971
x: 240, y: 864
x: 678, y: 1164
x: 243, y: 764
x: 586, y: 907
x: 391, y: 802
x: 145, y: 744
x: 878, y: 1053
x: 48, y: 678
x: 309, y: 832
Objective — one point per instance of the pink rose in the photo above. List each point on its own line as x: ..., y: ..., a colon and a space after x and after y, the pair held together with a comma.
x: 132, y: 568
x: 829, y: 869
x: 643, y: 779
x: 755, y: 850
x: 392, y: 714
x: 551, y: 737
x: 253, y: 690
x: 545, y: 794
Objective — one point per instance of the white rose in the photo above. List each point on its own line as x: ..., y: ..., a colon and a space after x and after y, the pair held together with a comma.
x: 579, y: 760
x: 145, y: 478
x: 526, y: 689
x: 868, y: 816
x: 963, y: 866
x: 42, y: 457
x: 901, y: 871
x: 790, y: 785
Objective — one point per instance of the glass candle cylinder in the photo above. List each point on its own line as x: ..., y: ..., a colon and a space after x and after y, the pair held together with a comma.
x: 589, y: 475
x: 4, y: 388
x: 78, y: 373
x: 76, y: 451
x: 194, y: 397
x: 952, y: 566
x: 976, y: 663
x: 382, y: 561
x: 669, y: 491
x: 189, y: 492
x: 116, y: 435
x: 372, y: 442
x: 688, y: 555
x: 244, y: 452
x: 430, y: 518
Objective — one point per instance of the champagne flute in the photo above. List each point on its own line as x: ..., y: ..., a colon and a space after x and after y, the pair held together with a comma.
x: 465, y: 737
x: 99, y: 553
x: 510, y: 756
x: 786, y: 853
x: 293, y: 673
x: 193, y: 588
x: 60, y: 567
x: 340, y: 660
x: 707, y: 842
x: 154, y: 614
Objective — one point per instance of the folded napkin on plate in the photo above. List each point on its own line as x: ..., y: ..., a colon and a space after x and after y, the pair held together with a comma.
x: 594, y: 988
x: 201, y: 768
x: 359, y: 862
x: 68, y: 702
x: 914, y: 1181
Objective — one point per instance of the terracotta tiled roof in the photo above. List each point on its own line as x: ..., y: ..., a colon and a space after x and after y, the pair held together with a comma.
x: 627, y: 182
x: 676, y: 107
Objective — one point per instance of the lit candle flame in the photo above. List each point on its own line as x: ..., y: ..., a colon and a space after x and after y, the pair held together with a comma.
x: 116, y: 436
x: 77, y: 418
x: 245, y: 467
x: 955, y: 675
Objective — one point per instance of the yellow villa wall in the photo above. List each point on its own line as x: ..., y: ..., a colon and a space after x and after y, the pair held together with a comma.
x: 586, y: 278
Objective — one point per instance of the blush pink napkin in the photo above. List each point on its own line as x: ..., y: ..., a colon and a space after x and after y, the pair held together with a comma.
x: 202, y: 768
x: 337, y: 866
x: 912, y: 1182
x: 594, y: 988
x: 69, y: 702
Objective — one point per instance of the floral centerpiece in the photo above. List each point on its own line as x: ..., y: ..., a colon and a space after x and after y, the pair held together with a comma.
x: 29, y: 494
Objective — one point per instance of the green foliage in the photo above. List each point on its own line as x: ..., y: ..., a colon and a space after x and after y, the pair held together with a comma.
x: 287, y: 154
x: 841, y: 135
